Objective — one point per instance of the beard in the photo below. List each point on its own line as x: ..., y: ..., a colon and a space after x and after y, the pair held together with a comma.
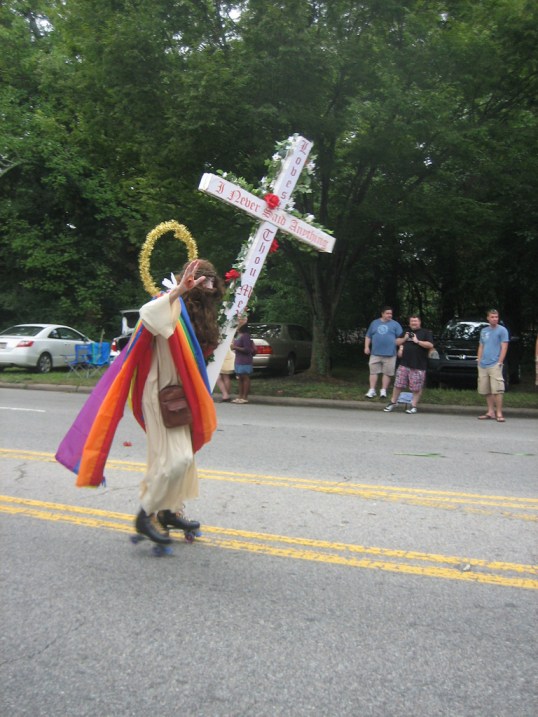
x: 203, y: 306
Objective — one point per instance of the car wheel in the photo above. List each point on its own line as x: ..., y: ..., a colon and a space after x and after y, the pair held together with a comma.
x: 290, y: 365
x: 44, y: 363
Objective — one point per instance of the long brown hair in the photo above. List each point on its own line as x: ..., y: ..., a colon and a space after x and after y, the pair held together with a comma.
x: 203, y: 306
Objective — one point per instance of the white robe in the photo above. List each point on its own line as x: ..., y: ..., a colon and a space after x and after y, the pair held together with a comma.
x: 171, y: 476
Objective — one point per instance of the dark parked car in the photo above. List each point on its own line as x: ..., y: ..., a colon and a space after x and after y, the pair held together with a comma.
x: 453, y: 361
x: 129, y: 317
x: 282, y: 348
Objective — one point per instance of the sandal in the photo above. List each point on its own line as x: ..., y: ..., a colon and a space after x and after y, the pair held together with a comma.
x: 486, y: 417
x: 501, y: 419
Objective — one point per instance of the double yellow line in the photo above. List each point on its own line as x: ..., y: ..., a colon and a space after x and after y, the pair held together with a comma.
x: 332, y: 553
x: 527, y: 508
x: 515, y: 508
x: 348, y: 555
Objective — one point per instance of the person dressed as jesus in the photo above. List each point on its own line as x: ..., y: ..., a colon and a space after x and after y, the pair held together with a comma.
x: 171, y: 477
x: 176, y: 334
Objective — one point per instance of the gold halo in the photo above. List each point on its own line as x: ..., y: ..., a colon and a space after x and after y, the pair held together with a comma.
x: 180, y: 232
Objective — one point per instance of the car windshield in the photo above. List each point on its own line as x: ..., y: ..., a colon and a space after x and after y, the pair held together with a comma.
x: 463, y: 330
x: 21, y: 331
x: 264, y: 331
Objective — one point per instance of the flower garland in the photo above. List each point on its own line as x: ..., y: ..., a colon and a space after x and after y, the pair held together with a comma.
x: 265, y: 191
x: 180, y: 232
x: 274, y: 165
x: 267, y: 183
x: 233, y: 279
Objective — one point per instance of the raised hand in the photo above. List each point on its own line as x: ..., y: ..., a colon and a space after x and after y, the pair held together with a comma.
x: 188, y: 281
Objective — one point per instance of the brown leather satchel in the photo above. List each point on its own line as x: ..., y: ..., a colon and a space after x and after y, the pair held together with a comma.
x: 174, y: 407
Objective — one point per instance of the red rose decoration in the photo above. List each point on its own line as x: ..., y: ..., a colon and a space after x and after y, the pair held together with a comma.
x: 272, y: 201
x: 231, y: 275
x: 275, y: 246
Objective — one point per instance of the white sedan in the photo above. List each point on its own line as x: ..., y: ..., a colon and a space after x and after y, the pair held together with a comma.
x: 40, y: 347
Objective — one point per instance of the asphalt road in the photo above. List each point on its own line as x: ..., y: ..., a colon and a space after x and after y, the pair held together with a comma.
x: 352, y: 563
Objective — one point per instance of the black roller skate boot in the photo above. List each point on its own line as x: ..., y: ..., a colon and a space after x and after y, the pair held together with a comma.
x: 172, y: 520
x: 144, y: 526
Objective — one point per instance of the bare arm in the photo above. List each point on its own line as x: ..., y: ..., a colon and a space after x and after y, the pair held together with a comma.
x: 423, y: 344
x: 504, y: 349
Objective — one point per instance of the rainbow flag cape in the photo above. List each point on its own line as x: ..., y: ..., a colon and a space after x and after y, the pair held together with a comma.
x: 85, y: 448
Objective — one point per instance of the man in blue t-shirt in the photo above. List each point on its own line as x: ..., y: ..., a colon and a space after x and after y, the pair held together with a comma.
x: 491, y: 354
x: 380, y: 346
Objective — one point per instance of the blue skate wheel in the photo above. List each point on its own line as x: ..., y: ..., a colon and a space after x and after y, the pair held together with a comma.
x: 160, y: 550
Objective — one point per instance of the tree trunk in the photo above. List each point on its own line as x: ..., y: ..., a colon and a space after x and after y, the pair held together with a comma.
x: 321, y: 348
x: 324, y: 292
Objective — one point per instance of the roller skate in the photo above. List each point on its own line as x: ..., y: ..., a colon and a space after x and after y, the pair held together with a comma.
x: 177, y: 521
x: 145, y: 529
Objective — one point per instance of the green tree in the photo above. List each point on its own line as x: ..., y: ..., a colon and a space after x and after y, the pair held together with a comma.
x: 415, y: 107
x: 423, y: 118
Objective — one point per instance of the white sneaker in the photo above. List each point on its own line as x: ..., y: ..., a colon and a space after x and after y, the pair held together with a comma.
x: 382, y: 393
x: 389, y: 407
x: 372, y: 393
x: 411, y: 409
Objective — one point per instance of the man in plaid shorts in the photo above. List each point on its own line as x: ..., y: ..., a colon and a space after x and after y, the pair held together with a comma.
x: 413, y: 349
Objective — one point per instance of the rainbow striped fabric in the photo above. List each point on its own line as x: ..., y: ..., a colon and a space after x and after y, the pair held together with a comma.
x: 85, y: 448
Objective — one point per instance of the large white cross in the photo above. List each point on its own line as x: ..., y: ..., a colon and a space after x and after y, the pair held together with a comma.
x: 259, y: 242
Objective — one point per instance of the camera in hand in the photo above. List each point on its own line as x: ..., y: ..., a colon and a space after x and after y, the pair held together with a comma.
x: 411, y: 334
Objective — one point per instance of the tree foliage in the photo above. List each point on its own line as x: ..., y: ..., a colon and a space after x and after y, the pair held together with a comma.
x: 423, y: 118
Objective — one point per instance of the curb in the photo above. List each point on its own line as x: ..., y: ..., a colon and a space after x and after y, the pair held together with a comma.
x: 303, y: 402
x: 369, y: 406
